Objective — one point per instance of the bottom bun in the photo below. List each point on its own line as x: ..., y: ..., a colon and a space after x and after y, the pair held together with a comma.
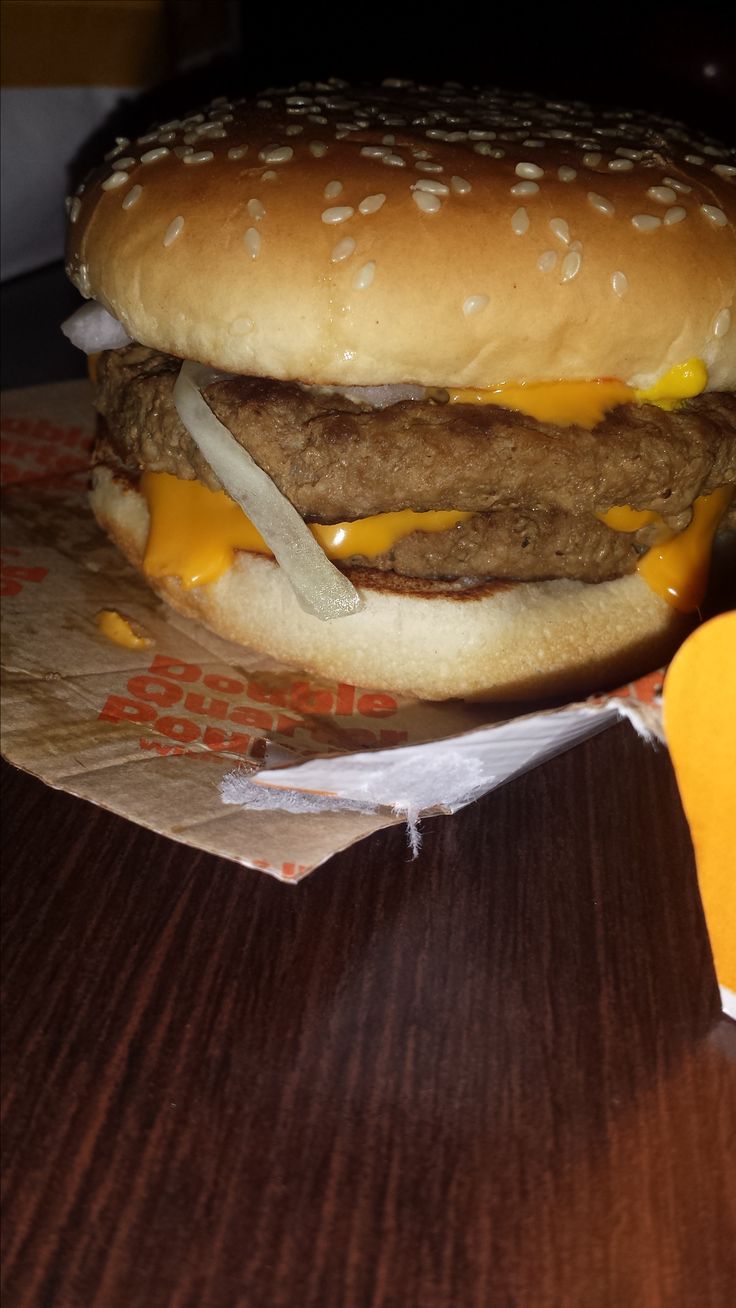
x: 520, y: 641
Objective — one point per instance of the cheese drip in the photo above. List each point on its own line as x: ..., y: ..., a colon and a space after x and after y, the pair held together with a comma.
x: 195, y: 532
x: 585, y: 403
x: 676, y: 566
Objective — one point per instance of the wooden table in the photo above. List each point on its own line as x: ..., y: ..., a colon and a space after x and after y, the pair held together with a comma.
x: 495, y: 1076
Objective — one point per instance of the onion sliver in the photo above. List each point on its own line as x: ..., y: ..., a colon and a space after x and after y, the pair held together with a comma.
x: 319, y: 586
x: 92, y: 329
x: 379, y: 397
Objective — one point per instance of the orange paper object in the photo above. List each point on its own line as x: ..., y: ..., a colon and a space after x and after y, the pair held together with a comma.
x: 700, y: 726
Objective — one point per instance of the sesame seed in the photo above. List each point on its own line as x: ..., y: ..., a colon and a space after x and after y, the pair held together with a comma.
x: 294, y: 129
x: 423, y: 167
x: 646, y: 222
x: 256, y: 209
x: 200, y: 156
x: 276, y: 154
x: 481, y: 147
x: 722, y: 323
x: 525, y: 188
x: 427, y: 203
x: 520, y: 221
x: 592, y: 158
x: 714, y: 215
x: 662, y: 194
x: 566, y: 174
x: 181, y: 151
x: 560, y: 229
x: 724, y: 170
x: 460, y: 186
x: 374, y: 151
x: 173, y: 230
x: 620, y: 283
x: 237, y: 152
x: 620, y: 165
x: 129, y: 162
x: 117, y: 149
x: 372, y: 203
x: 338, y: 214
x: 364, y: 276
x: 252, y: 240
x: 114, y: 180
x: 269, y: 175
x: 75, y: 205
x: 675, y: 215
x: 530, y: 170
x: 600, y: 203
x: 474, y: 304
x: 343, y: 249
x: 317, y: 148
x: 332, y: 190
x: 431, y: 186
x: 571, y: 265
x: 152, y: 155
x: 394, y: 161
x: 165, y: 138
x: 547, y: 261
x: 625, y: 153
x: 677, y: 185
x: 132, y: 197
x: 694, y: 159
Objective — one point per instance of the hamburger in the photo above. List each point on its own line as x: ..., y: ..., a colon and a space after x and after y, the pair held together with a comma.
x: 429, y: 390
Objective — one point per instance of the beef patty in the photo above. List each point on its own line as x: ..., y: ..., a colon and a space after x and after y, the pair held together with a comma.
x: 534, y: 489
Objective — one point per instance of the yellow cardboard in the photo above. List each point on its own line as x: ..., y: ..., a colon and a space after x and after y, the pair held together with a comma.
x: 700, y: 726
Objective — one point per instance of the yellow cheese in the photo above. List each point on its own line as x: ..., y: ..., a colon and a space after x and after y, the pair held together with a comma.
x: 560, y: 402
x: 677, y: 568
x: 195, y: 532
x: 585, y: 403
x: 121, y: 631
x: 680, y: 383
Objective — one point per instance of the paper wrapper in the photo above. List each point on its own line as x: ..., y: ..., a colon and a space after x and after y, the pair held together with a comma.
x: 203, y: 741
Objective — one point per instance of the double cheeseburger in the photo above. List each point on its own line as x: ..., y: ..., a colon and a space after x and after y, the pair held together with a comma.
x: 422, y: 389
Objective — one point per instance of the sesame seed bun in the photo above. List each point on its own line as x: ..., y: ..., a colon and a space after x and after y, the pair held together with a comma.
x: 506, y: 642
x: 400, y: 235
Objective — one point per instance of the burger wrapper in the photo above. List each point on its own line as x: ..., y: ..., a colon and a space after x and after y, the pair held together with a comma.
x: 212, y: 745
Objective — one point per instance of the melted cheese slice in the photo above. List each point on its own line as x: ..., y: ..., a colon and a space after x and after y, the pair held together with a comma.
x: 677, y: 565
x: 195, y: 532
x: 585, y: 403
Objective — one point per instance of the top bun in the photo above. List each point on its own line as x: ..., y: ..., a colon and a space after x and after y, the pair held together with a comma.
x: 404, y: 234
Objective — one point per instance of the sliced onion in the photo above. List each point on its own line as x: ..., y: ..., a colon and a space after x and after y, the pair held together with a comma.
x: 378, y: 397
x: 93, y: 329
x: 319, y: 586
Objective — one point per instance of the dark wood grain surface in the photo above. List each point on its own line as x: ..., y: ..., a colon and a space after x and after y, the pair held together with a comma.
x: 493, y: 1076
